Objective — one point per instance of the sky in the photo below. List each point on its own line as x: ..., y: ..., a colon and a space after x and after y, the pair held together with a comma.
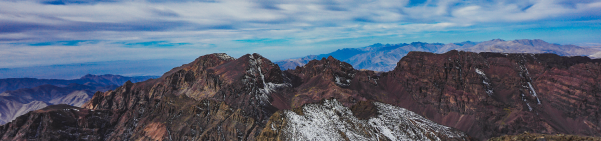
x: 54, y: 32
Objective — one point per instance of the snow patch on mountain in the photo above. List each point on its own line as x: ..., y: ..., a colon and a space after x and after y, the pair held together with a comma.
x: 224, y: 56
x: 333, y: 121
x: 486, y: 82
x: 268, y: 87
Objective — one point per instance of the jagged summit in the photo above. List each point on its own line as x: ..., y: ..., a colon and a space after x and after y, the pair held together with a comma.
x: 341, y: 73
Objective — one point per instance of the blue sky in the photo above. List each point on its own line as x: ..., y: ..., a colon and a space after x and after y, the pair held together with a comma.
x: 54, y: 32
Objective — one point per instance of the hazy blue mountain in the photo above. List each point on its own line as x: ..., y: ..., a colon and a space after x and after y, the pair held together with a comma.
x: 530, y: 46
x: 154, y: 67
x: 380, y: 57
x: 100, y: 80
x: 377, y: 57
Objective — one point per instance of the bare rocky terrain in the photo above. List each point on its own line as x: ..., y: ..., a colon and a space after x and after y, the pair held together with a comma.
x: 451, y: 96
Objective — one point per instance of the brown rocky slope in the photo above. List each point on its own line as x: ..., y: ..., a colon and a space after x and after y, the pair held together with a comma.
x: 491, y: 94
x: 217, y: 97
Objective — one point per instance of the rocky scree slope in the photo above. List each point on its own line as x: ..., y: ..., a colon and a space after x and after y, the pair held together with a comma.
x: 485, y: 95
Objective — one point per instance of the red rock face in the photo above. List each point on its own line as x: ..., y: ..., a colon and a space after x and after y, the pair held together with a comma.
x: 217, y: 97
x: 483, y: 94
x: 490, y: 94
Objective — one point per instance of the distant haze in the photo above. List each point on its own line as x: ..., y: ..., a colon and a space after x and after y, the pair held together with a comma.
x: 73, y: 71
x: 380, y: 57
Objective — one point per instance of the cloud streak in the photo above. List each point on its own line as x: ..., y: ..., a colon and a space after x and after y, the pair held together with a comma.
x: 41, y: 32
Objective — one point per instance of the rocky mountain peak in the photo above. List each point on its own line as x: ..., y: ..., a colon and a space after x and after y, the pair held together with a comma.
x: 341, y: 73
x: 210, y: 60
x: 250, y: 98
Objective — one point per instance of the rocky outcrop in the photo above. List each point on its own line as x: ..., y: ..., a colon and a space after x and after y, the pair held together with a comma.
x: 492, y: 94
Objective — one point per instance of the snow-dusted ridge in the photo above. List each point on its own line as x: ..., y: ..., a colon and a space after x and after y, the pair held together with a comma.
x: 333, y: 121
x: 224, y: 56
x: 268, y: 87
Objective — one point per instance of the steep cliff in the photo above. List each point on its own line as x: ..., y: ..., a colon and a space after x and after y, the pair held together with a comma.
x: 216, y: 97
x: 491, y: 94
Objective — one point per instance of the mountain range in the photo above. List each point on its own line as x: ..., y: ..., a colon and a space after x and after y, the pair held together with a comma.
x: 21, y: 95
x: 8, y: 84
x: 380, y: 57
x: 456, y: 95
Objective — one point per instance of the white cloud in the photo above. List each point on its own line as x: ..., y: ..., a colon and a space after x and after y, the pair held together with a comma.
x: 207, y: 24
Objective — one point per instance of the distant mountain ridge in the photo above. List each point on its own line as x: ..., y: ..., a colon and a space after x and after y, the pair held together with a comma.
x: 530, y: 46
x: 21, y: 95
x: 8, y: 84
x: 380, y: 57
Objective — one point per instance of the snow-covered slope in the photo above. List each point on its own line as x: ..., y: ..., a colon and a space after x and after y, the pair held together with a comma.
x: 330, y: 120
